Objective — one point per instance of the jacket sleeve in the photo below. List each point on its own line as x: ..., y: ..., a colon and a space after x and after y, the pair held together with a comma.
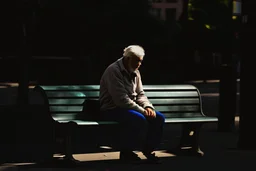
x: 118, y: 92
x: 142, y: 99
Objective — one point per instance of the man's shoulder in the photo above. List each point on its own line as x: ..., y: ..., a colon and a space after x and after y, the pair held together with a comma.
x: 112, y: 69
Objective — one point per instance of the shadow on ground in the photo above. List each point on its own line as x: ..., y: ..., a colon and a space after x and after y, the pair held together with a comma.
x: 219, y: 148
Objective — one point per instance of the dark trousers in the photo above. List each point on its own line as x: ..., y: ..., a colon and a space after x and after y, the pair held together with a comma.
x: 136, y: 132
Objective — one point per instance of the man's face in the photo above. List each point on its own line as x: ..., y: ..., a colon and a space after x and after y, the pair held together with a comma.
x: 134, y: 63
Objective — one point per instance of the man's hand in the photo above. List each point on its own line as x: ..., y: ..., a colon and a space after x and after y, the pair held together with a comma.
x: 150, y: 112
x: 145, y: 113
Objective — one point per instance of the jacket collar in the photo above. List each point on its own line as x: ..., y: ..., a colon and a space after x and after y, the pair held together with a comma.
x: 122, y: 68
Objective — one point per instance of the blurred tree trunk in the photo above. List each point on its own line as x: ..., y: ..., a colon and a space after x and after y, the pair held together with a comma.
x: 247, y: 91
x: 25, y: 13
x: 227, y: 89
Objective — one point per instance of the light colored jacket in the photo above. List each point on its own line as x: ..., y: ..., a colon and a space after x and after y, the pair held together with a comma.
x: 119, y: 88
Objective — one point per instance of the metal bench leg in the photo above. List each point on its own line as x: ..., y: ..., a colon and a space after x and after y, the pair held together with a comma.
x: 190, y: 138
x: 68, y: 151
x: 65, y: 141
x: 68, y: 147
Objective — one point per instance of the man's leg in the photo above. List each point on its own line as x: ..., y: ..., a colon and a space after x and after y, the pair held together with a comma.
x: 133, y: 129
x: 154, y: 135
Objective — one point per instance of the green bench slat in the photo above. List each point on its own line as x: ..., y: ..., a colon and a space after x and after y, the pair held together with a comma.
x: 169, y: 87
x: 175, y: 101
x: 72, y: 116
x: 165, y: 94
x: 81, y: 122
x: 194, y: 119
x: 155, y: 94
x: 72, y: 87
x: 64, y: 116
x: 154, y: 101
x: 66, y: 108
x: 96, y: 87
x: 173, y: 108
x: 65, y: 94
x: 185, y: 108
x: 66, y: 101
x: 182, y: 114
x: 168, y: 120
x: 71, y: 94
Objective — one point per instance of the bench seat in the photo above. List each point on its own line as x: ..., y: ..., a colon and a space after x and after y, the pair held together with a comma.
x: 168, y: 120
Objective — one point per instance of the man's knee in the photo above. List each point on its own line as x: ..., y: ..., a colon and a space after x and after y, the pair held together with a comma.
x: 160, y: 117
x: 135, y: 126
x: 137, y: 117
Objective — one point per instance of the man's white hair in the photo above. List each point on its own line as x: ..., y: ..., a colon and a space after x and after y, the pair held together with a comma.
x: 134, y: 50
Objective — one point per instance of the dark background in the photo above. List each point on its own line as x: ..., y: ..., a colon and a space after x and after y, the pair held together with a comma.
x: 73, y: 41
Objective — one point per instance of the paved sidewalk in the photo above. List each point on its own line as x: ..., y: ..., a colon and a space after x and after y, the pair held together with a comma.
x: 219, y: 147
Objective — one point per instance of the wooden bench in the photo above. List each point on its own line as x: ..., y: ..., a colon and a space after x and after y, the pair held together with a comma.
x: 179, y: 103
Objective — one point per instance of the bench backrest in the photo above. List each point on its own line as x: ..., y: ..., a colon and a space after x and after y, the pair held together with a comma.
x: 175, y: 101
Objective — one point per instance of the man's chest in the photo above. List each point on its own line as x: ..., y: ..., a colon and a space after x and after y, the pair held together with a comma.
x: 130, y: 84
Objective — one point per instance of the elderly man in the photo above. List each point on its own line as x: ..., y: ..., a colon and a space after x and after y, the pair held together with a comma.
x: 122, y: 99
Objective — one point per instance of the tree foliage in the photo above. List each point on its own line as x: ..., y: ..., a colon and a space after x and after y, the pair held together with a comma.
x: 212, y: 12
